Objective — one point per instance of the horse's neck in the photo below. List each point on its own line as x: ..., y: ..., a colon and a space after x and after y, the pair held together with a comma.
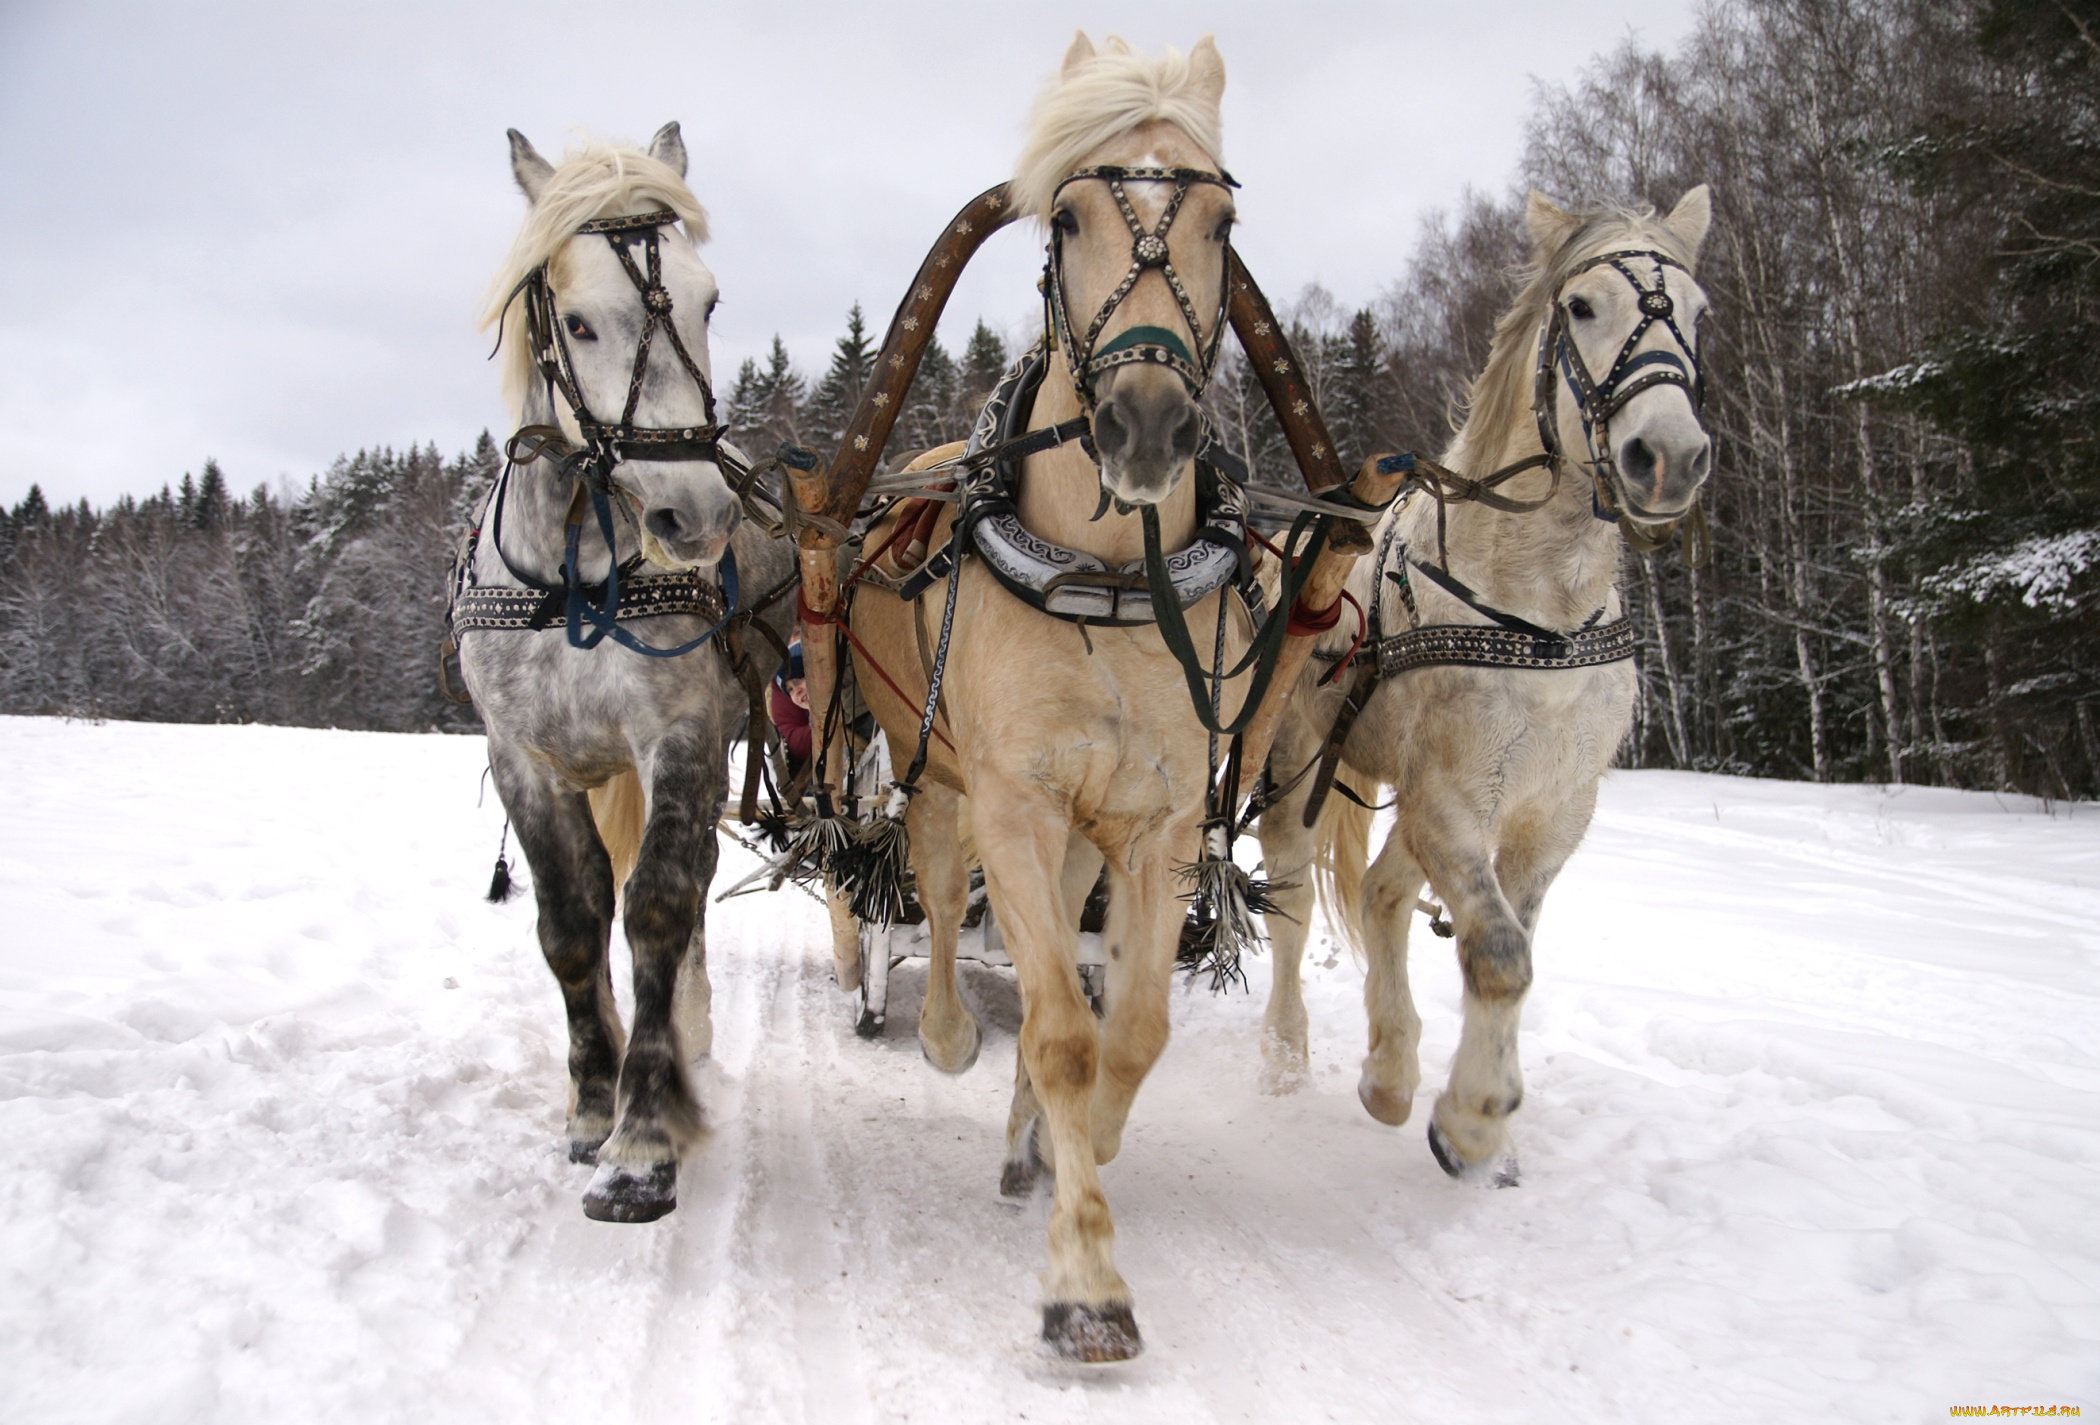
x: 535, y: 514
x: 1061, y: 489
x: 1555, y: 566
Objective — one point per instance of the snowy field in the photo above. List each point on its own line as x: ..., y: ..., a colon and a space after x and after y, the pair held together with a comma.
x: 1811, y: 1133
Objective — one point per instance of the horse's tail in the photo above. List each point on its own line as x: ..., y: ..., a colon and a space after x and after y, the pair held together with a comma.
x: 618, y: 809
x: 1341, y: 852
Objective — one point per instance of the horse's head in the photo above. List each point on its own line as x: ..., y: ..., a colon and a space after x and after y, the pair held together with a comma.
x: 617, y: 305
x: 1122, y: 166
x: 1618, y: 362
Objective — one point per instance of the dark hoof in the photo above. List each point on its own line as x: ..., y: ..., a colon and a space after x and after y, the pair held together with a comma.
x: 618, y: 1194
x: 1500, y: 1174
x: 1095, y: 1335
x: 1017, y: 1178
x: 585, y: 1150
x: 869, y: 1026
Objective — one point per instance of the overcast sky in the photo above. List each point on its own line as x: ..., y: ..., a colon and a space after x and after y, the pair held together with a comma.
x: 258, y: 231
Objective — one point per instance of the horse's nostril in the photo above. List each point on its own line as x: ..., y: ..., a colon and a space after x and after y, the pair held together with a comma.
x: 1186, y: 434
x: 665, y: 524
x: 1702, y: 462
x: 1639, y: 461
x: 1110, y: 434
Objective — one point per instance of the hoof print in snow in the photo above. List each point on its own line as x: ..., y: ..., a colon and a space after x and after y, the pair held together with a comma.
x: 1093, y: 1335
x: 618, y: 1194
x: 1495, y: 1173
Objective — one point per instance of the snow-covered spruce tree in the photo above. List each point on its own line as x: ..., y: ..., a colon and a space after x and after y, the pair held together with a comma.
x: 2010, y: 556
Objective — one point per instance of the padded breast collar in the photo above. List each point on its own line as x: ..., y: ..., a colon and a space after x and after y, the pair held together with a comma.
x: 1068, y: 583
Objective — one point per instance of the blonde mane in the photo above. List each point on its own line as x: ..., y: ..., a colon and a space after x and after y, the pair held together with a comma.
x: 1105, y: 96
x: 596, y: 180
x: 1498, y: 403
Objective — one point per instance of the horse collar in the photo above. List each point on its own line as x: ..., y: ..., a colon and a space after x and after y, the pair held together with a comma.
x: 1068, y: 583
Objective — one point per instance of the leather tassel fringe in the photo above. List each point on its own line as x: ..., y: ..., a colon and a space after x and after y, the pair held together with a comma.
x: 1223, y: 901
x: 875, y: 870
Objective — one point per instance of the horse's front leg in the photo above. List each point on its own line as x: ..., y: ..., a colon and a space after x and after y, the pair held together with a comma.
x: 573, y: 886
x: 948, y: 1032
x: 1142, y: 934
x: 1021, y: 837
x: 637, y: 1178
x: 1469, y: 1128
x: 1017, y: 1177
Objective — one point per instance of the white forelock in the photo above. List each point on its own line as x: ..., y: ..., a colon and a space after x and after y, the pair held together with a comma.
x: 596, y: 180
x: 1108, y: 95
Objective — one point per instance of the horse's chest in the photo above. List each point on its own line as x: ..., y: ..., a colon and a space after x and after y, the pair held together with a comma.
x: 583, y: 712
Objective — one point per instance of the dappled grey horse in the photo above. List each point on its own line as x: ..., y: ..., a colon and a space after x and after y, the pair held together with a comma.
x: 596, y: 606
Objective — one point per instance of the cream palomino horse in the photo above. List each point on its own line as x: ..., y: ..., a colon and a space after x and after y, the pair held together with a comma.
x: 1495, y: 769
x: 1075, y: 743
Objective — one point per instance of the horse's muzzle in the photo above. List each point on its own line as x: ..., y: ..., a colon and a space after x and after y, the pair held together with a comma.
x: 1146, y: 429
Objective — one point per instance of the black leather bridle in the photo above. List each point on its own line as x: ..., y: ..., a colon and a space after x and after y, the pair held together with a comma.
x: 1193, y: 360
x: 607, y: 445
x: 1597, y: 401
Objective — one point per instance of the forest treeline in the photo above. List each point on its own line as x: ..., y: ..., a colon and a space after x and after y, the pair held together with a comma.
x: 1903, y: 369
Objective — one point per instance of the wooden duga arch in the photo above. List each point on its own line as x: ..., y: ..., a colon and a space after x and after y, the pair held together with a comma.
x: 833, y: 495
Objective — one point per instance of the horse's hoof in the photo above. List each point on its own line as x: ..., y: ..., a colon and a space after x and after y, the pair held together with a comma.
x: 1095, y: 1335
x: 1017, y: 1178
x: 585, y: 1150
x: 620, y: 1194
x: 1389, y: 1108
x: 869, y: 1025
x: 1495, y: 1172
x: 969, y: 1058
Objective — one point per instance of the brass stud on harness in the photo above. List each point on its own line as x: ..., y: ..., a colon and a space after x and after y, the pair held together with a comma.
x: 1656, y: 304
x: 1151, y: 250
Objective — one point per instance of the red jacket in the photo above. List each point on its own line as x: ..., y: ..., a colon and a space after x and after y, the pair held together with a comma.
x: 793, y: 722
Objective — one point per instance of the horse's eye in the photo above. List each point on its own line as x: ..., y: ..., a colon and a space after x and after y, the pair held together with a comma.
x: 1065, y: 221
x: 579, y: 328
x: 1580, y: 310
x: 1224, y: 232
x: 712, y: 303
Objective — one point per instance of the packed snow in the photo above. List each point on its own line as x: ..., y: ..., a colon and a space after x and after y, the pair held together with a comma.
x: 1811, y: 1132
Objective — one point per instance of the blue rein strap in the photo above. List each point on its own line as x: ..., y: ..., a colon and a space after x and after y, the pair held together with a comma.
x: 606, y: 622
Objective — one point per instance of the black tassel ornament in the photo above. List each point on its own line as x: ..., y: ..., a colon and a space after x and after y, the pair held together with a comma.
x: 500, y: 887
x: 875, y: 872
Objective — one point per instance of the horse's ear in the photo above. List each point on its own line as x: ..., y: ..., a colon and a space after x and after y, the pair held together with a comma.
x: 526, y: 165
x: 1550, y: 224
x: 1207, y: 70
x: 1691, y: 217
x: 1081, y: 51
x: 668, y: 148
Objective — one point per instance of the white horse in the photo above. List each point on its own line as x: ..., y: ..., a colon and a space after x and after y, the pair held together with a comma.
x: 1494, y: 769
x: 600, y: 545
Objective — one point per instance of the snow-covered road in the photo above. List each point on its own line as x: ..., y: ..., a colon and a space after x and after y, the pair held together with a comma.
x: 1811, y: 1132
